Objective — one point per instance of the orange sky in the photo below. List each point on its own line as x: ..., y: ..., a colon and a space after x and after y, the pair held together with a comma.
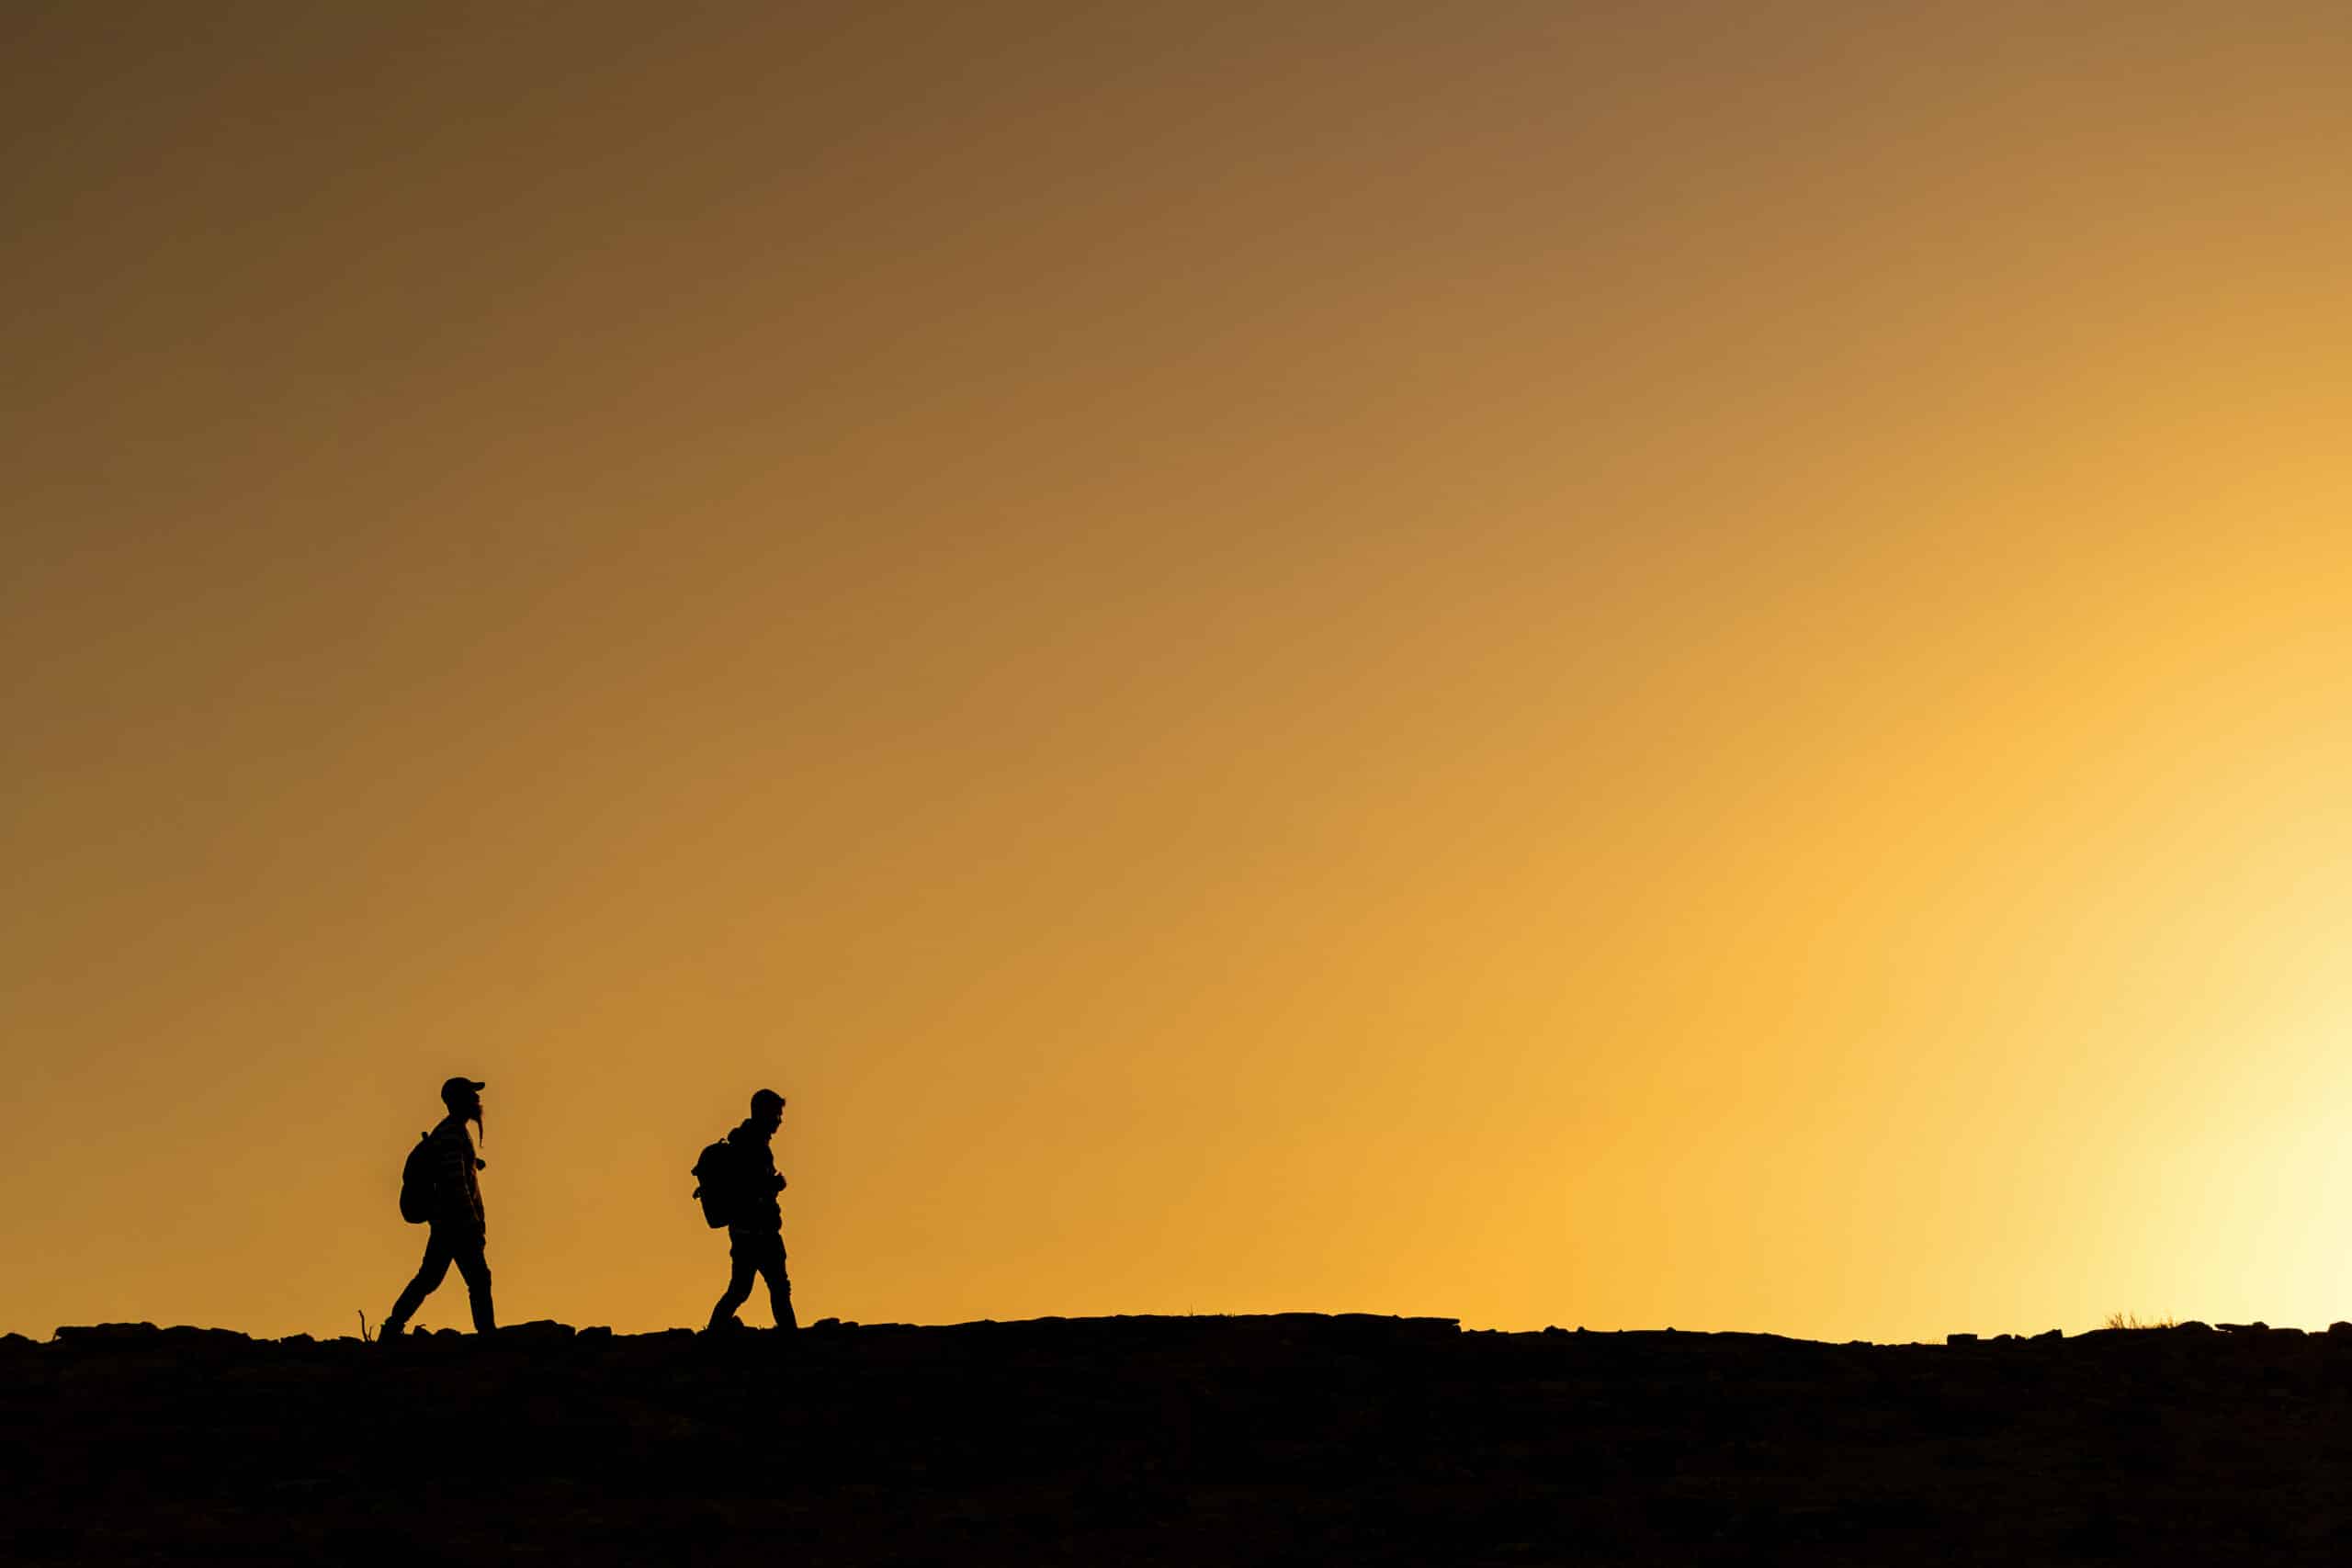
x: 1616, y: 665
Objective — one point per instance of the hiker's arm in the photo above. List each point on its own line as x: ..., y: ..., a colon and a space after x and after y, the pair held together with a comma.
x: 454, y: 1203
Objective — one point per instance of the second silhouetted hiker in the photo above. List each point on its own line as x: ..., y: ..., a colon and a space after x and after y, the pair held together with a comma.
x: 739, y: 1183
x: 439, y: 1187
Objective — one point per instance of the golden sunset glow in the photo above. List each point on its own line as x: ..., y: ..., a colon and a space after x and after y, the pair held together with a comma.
x: 1682, y: 664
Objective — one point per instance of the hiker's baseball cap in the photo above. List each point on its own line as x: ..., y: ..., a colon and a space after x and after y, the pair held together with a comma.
x: 456, y: 1090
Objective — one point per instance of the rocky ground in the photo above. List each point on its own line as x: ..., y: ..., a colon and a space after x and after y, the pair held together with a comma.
x: 1175, y: 1440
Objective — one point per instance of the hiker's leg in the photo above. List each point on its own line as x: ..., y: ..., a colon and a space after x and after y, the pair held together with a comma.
x: 779, y: 1285
x: 474, y: 1269
x: 429, y: 1275
x: 738, y: 1284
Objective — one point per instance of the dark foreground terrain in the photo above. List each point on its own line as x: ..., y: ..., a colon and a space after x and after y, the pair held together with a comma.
x: 1192, y: 1440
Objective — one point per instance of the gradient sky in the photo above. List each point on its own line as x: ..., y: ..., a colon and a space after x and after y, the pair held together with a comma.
x: 1629, y: 665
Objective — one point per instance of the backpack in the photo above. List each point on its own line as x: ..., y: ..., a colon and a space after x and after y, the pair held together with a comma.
x: 416, y: 1182
x: 717, y: 1172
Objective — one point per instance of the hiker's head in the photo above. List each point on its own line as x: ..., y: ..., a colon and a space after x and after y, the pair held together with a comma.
x: 767, y: 1110
x: 463, y: 1097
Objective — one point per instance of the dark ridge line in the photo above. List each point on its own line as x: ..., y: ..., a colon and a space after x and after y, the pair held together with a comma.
x: 1345, y: 1326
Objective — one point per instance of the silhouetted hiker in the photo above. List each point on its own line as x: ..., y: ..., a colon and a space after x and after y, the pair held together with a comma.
x: 438, y: 1187
x: 739, y: 1183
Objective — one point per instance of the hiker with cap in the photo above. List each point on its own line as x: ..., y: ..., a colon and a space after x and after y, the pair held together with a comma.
x: 439, y: 1187
x: 739, y: 1183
